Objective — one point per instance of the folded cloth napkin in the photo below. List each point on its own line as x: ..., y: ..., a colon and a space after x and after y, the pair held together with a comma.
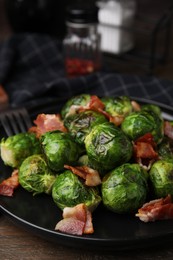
x: 32, y: 72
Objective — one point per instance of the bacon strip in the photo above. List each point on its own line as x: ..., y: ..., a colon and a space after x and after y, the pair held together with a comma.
x: 79, y: 212
x: 144, y: 150
x: 97, y: 105
x: 135, y: 105
x: 8, y: 185
x: 168, y: 129
x: 91, y: 176
x: 47, y: 122
x: 158, y: 209
x: 70, y: 226
x: 76, y: 220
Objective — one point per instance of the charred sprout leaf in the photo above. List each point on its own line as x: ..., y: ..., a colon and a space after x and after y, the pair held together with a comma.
x: 16, y: 148
x: 80, y: 100
x: 118, y: 106
x: 69, y: 190
x: 35, y: 176
x: 79, y: 125
x: 125, y: 188
x: 139, y: 123
x: 107, y: 147
x: 161, y: 177
x: 59, y: 148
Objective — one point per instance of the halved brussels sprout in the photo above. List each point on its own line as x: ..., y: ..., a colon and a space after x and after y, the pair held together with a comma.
x: 79, y: 125
x: 107, y: 147
x: 35, y: 176
x: 161, y: 177
x: 118, y: 106
x: 125, y: 188
x: 69, y: 190
x: 79, y: 100
x: 14, y: 149
x: 139, y: 123
x: 59, y: 148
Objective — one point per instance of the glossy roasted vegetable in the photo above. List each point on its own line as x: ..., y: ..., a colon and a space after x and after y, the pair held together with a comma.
x: 71, y: 104
x: 118, y: 106
x: 161, y: 177
x: 165, y: 149
x: 35, y: 176
x: 69, y: 190
x: 107, y: 147
x: 59, y: 148
x: 139, y: 123
x: 125, y: 188
x: 151, y: 107
x: 79, y: 125
x: 16, y: 148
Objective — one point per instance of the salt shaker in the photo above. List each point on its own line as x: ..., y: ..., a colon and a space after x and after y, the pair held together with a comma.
x: 116, y: 18
x: 82, y: 54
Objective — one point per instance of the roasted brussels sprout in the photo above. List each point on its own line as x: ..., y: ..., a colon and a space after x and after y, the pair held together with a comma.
x: 59, y: 148
x: 161, y: 177
x: 35, y: 176
x: 79, y: 125
x: 14, y: 149
x: 125, y: 188
x: 139, y: 123
x: 165, y: 149
x: 151, y: 107
x: 69, y: 190
x: 118, y: 106
x: 107, y: 147
x: 79, y: 100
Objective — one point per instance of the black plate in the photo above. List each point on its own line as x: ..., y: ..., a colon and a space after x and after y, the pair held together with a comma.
x: 39, y: 215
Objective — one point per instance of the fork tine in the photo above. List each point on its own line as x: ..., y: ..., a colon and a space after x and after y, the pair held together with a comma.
x: 15, y: 121
x: 26, y: 118
x: 6, y: 125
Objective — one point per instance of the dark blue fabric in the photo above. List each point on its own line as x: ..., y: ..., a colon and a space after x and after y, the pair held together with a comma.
x: 32, y: 72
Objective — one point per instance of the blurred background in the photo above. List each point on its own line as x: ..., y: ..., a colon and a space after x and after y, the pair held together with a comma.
x: 151, y: 52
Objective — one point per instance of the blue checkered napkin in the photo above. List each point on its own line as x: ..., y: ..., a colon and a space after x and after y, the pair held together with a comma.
x: 32, y: 72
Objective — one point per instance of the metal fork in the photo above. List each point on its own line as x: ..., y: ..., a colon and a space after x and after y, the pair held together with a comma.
x: 15, y: 121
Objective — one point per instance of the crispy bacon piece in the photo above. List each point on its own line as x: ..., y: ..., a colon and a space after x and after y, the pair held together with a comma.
x: 91, y: 176
x: 135, y: 105
x: 8, y: 185
x: 144, y: 150
x: 158, y: 209
x: 76, y: 220
x: 97, y: 105
x: 116, y: 120
x: 47, y: 122
x: 94, y: 104
x: 73, y: 110
x: 71, y: 226
x: 147, y: 138
x: 168, y: 129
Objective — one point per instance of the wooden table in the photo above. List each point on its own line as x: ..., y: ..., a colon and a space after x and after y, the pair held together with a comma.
x: 19, y: 244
